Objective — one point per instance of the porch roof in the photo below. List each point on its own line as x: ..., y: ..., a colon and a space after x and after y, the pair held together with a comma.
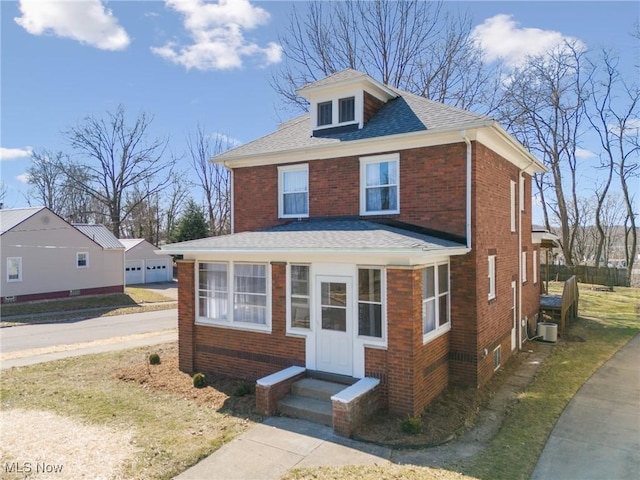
x: 328, y: 236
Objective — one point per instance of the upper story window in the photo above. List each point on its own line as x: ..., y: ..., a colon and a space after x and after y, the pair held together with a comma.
x: 492, y: 276
x: 293, y: 191
x: 513, y: 206
x: 347, y: 109
x: 325, y: 113
x: 14, y: 269
x: 379, y: 185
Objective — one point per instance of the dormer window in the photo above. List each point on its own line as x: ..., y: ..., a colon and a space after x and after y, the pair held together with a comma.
x: 347, y: 109
x: 325, y: 113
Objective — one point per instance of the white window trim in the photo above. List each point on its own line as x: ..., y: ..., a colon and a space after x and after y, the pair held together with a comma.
x: 522, y: 193
x: 78, y: 260
x: 513, y: 206
x: 366, y: 339
x: 524, y: 267
x: 358, y: 96
x: 230, y: 323
x: 364, y: 161
x: 535, y: 267
x: 491, y: 261
x: 439, y: 330
x: 299, y: 331
x: 497, y: 354
x: 281, y: 171
x: 19, y: 261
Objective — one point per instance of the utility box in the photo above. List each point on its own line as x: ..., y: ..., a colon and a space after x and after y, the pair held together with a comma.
x: 548, y: 332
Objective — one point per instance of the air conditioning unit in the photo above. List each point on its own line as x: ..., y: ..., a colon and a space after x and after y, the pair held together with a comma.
x: 548, y: 332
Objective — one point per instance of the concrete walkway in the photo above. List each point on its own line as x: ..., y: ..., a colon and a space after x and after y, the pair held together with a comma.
x: 598, y: 434
x: 596, y: 437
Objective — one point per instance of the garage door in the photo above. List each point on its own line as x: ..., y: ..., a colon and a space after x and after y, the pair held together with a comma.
x: 133, y: 272
x: 157, y: 271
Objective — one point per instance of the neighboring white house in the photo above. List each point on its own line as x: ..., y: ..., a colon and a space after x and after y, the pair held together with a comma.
x: 143, y: 265
x: 44, y: 256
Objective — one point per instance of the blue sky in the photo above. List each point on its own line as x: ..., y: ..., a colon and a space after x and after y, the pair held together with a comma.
x: 193, y: 62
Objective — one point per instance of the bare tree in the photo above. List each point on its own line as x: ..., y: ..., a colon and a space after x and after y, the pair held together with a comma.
x: 545, y: 105
x: 411, y: 45
x: 47, y: 180
x: 178, y: 194
x: 3, y: 194
x: 118, y: 157
x: 212, y: 178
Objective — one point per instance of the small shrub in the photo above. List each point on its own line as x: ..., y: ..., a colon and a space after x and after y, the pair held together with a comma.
x: 412, y: 425
x: 199, y: 380
x: 242, y: 390
x: 154, y: 359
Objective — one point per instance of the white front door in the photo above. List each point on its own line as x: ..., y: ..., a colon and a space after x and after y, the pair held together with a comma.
x: 514, y: 315
x: 334, y: 350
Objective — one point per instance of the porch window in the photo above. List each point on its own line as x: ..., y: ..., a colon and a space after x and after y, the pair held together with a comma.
x: 293, y: 185
x: 370, y: 302
x: 435, y: 300
x: 235, y: 293
x: 299, y: 305
x: 379, y: 184
x: 14, y: 269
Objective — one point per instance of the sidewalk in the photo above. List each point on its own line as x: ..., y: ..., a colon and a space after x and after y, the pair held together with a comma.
x: 268, y: 450
x: 598, y: 434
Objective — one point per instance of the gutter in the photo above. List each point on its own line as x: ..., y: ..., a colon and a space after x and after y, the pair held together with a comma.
x: 520, y: 209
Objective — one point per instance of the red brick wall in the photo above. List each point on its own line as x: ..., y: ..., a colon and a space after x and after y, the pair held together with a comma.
x: 427, y: 176
x: 186, y: 314
x: 246, y: 354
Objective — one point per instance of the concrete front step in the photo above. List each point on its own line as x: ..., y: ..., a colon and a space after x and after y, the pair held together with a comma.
x: 307, y: 408
x: 318, y: 389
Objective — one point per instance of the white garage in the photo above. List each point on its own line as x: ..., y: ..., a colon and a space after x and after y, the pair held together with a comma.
x: 142, y: 265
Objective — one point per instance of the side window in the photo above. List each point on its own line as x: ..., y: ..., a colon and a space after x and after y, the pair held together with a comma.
x: 380, y: 185
x: 513, y: 206
x: 492, y: 276
x: 347, y: 109
x: 435, y: 300
x: 82, y: 260
x: 524, y: 267
x: 14, y: 269
x: 293, y: 191
x: 299, y: 302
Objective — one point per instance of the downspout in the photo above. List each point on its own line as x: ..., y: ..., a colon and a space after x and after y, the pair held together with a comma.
x: 468, y: 188
x: 232, y: 215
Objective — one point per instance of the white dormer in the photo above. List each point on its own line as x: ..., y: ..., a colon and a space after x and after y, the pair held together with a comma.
x: 346, y: 99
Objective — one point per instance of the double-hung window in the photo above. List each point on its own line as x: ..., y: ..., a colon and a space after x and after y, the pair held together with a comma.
x: 535, y: 267
x: 14, y: 269
x: 435, y: 301
x: 380, y: 185
x: 299, y: 296
x: 370, y: 311
x: 233, y: 294
x: 524, y: 267
x: 492, y: 276
x: 513, y: 206
x: 293, y: 197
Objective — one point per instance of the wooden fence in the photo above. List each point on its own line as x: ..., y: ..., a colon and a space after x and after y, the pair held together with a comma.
x: 611, y: 277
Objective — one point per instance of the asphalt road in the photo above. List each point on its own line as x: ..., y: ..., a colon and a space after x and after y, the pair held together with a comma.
x: 28, y: 344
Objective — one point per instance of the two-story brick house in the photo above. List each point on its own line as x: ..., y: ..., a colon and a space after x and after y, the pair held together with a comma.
x: 380, y: 235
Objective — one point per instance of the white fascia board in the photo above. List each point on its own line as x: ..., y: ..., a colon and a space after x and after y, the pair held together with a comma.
x: 505, y: 145
x: 400, y: 257
x: 364, y: 82
x: 367, y: 146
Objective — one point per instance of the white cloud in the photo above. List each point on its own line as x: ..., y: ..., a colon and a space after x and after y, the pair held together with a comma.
x: 23, y: 178
x: 501, y: 38
x: 85, y: 21
x: 13, y: 153
x: 217, y: 30
x: 584, y: 153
